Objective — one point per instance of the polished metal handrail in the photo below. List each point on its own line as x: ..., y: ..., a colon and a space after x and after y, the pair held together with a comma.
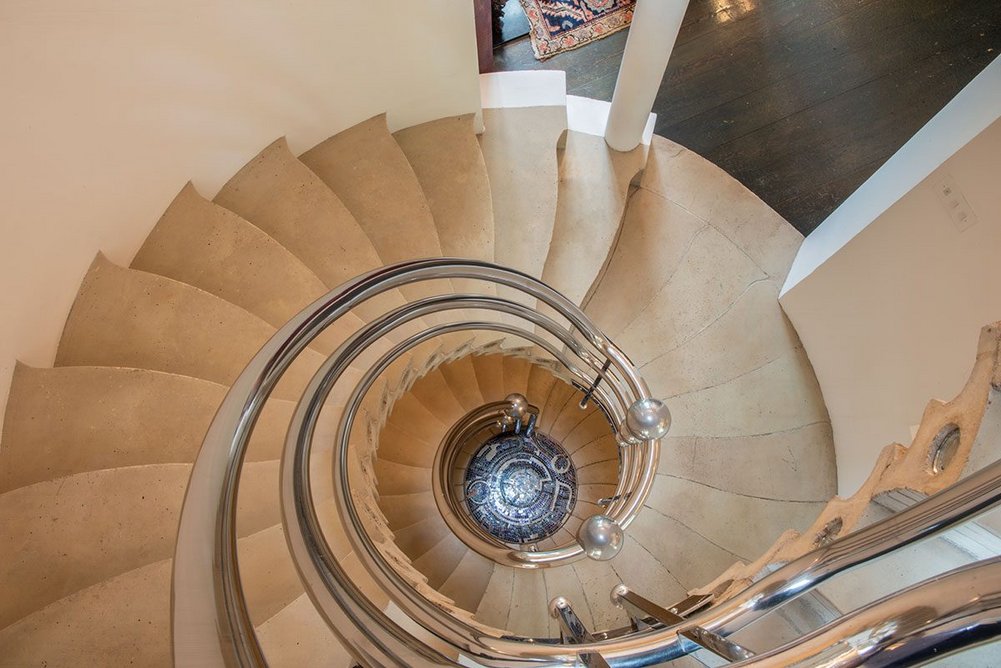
x: 211, y: 625
x: 930, y: 620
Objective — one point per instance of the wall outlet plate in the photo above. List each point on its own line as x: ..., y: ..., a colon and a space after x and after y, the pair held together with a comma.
x: 954, y: 202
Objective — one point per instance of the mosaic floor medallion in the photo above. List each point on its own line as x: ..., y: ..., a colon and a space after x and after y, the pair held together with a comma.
x: 521, y: 489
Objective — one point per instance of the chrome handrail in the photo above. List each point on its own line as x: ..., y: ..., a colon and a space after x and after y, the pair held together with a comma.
x: 210, y: 622
x: 930, y: 620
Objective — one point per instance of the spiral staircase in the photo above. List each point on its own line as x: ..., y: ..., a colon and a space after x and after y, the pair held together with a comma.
x: 330, y: 258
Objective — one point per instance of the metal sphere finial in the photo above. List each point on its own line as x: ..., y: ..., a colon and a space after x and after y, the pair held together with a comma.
x: 648, y: 419
x: 601, y: 537
x: 557, y: 604
x: 519, y: 407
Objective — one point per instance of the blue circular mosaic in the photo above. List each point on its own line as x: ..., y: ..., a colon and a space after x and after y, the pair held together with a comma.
x: 520, y: 489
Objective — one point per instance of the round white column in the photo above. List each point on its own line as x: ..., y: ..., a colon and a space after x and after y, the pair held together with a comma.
x: 652, y: 35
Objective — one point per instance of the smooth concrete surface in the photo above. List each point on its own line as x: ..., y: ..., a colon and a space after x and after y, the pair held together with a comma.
x: 468, y: 581
x: 369, y: 172
x: 208, y: 246
x: 133, y: 627
x: 703, y: 339
x: 105, y: 417
x: 298, y: 637
x: 445, y: 155
x: 495, y: 606
x: 593, y: 187
x: 519, y: 148
x: 124, y: 317
x: 187, y: 91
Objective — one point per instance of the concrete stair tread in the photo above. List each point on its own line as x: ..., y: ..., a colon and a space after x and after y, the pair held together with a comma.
x: 434, y: 393
x: 369, y: 172
x: 516, y: 373
x: 461, y: 378
x: 124, y: 317
x: 279, y: 194
x: 489, y: 370
x: 495, y: 604
x: 270, y: 580
x: 438, y: 563
x: 468, y: 581
x: 594, y: 184
x: 107, y: 417
x: 595, y: 426
x: 529, y: 611
x: 707, y: 191
x: 298, y: 637
x: 519, y: 148
x: 405, y: 510
x: 396, y: 479
x: 115, y: 520
x: 446, y: 158
x: 212, y: 248
x: 133, y: 627
x: 416, y: 539
x: 597, y: 579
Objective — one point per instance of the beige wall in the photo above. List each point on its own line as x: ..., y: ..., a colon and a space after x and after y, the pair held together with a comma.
x: 109, y: 107
x: 891, y: 319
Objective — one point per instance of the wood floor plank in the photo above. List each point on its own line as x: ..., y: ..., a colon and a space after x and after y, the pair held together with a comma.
x: 801, y: 100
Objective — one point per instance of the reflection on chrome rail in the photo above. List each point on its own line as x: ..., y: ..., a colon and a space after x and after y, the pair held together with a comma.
x: 211, y: 624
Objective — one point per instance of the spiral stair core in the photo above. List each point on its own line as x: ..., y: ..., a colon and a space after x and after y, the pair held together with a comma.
x: 673, y: 259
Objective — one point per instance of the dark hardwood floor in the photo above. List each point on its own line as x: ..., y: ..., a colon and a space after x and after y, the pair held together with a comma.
x: 801, y: 100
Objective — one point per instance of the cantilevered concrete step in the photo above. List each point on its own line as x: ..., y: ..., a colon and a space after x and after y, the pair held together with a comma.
x: 593, y: 187
x: 124, y: 317
x: 396, y: 479
x: 298, y: 637
x: 210, y: 247
x: 408, y: 508
x: 74, y: 532
x: 438, y: 562
x: 710, y: 193
x: 279, y: 194
x: 468, y: 581
x: 446, y: 157
x: 528, y: 614
x: 70, y: 420
x: 601, y: 449
x: 691, y: 293
x: 489, y: 370
x: 369, y: 172
x: 597, y: 579
x: 435, y: 394
x: 495, y: 605
x: 519, y: 149
x: 121, y: 621
x: 270, y: 581
x: 516, y: 373
x: 594, y: 426
x: 461, y: 378
x: 562, y: 397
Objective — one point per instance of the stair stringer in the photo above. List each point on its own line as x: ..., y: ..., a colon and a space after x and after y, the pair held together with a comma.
x: 898, y: 467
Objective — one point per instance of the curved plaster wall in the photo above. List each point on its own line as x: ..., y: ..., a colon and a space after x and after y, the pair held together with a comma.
x: 890, y: 319
x: 110, y: 107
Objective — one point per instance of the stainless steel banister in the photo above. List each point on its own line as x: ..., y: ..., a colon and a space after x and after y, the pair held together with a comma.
x: 210, y: 620
x: 211, y: 625
x: 930, y: 620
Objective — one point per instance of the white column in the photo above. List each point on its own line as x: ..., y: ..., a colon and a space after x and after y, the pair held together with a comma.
x: 652, y: 35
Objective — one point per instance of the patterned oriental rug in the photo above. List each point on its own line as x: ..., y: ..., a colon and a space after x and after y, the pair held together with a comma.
x: 562, y: 25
